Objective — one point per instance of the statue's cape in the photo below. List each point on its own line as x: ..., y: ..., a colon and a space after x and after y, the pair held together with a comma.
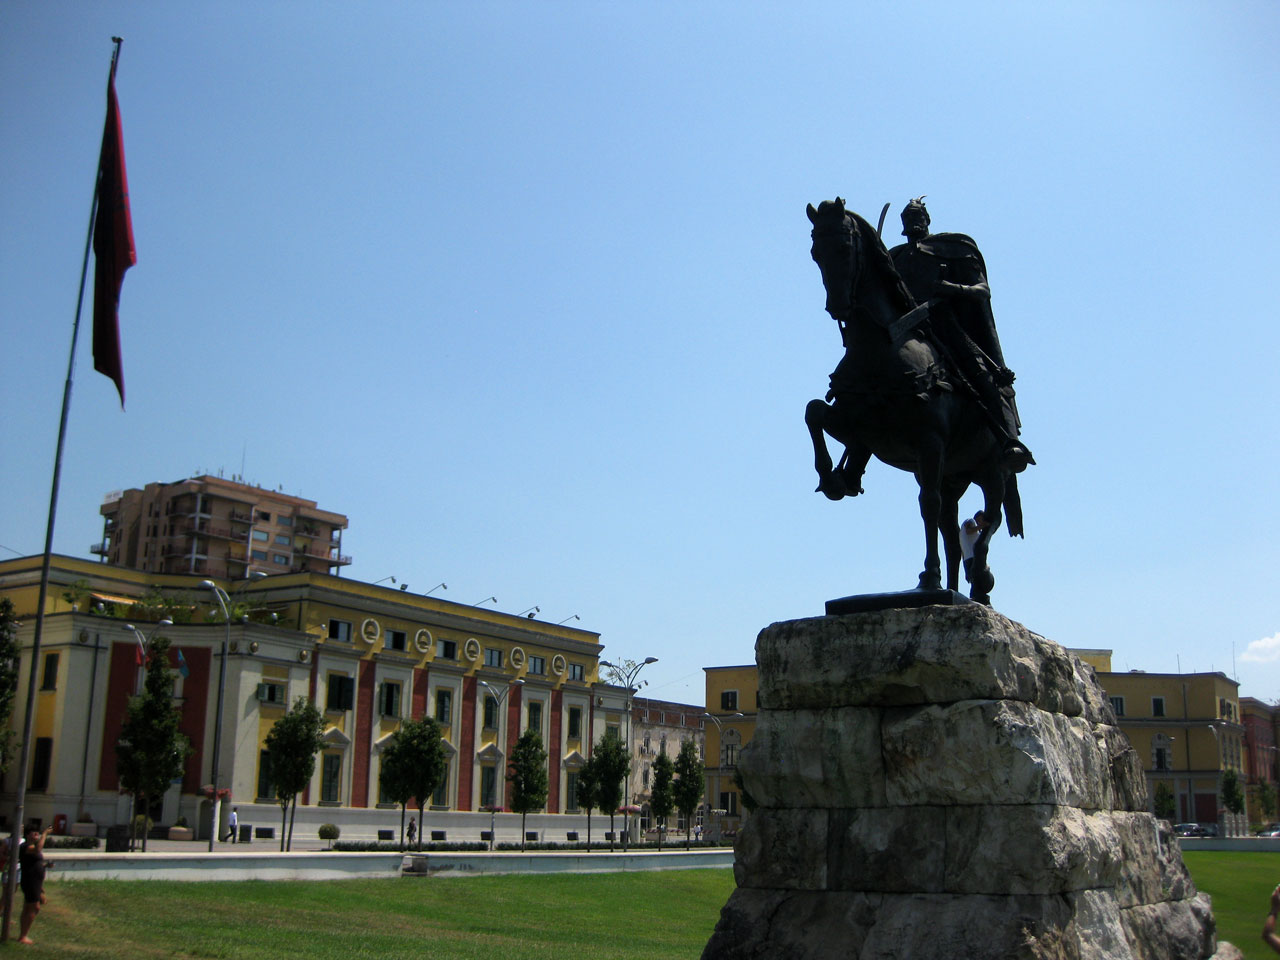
x: 952, y: 247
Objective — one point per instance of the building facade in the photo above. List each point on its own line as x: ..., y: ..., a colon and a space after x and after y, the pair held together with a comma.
x: 1187, y: 730
x: 660, y: 727
x: 1260, y: 720
x: 218, y: 528
x: 731, y: 705
x: 368, y: 656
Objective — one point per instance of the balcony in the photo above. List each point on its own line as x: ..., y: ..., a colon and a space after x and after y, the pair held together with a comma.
x: 100, y: 549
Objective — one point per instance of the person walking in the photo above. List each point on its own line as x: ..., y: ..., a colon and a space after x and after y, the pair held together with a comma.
x: 31, y: 861
x: 234, y: 822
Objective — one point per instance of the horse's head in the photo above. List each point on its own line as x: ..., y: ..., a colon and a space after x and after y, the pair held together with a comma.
x: 836, y: 251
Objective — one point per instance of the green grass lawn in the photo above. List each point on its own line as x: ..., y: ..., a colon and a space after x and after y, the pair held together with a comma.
x: 1241, y: 885
x: 617, y: 916
x: 620, y: 916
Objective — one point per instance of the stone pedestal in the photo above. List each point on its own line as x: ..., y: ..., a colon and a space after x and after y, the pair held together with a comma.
x: 941, y: 782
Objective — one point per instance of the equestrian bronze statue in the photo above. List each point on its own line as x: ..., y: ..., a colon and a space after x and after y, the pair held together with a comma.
x: 922, y: 385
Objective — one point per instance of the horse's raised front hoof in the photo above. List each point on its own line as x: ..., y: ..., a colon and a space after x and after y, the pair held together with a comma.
x: 852, y: 483
x: 832, y: 487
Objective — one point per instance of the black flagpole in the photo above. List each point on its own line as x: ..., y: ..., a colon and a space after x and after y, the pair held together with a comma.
x: 29, y: 720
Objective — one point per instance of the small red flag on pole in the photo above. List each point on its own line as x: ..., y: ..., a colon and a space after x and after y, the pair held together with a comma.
x: 112, y: 244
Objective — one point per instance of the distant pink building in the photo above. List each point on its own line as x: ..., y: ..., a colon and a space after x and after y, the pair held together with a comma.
x: 1260, y: 761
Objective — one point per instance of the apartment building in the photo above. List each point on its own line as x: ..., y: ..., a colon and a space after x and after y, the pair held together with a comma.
x: 660, y: 727
x: 218, y: 528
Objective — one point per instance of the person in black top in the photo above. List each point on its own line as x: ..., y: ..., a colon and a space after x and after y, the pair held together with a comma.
x: 31, y: 860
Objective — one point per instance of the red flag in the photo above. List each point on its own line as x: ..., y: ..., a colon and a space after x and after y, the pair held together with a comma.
x: 112, y: 244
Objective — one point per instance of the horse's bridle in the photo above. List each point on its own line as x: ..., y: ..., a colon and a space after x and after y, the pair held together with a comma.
x: 846, y: 230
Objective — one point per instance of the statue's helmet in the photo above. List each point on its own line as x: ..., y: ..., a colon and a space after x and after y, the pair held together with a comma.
x: 915, y: 208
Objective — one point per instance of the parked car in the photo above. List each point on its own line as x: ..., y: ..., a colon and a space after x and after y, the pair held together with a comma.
x: 1270, y: 830
x: 1190, y: 830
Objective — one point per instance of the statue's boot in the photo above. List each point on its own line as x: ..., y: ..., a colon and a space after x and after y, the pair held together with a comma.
x: 1015, y: 457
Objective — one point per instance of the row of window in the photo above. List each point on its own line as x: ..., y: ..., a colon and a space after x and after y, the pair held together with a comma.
x: 331, y: 783
x: 1226, y: 708
x: 341, y: 630
x: 341, y: 693
x: 1157, y: 706
x: 262, y: 536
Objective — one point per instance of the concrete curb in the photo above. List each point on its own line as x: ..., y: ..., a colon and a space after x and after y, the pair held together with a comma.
x: 471, y: 864
x: 196, y: 867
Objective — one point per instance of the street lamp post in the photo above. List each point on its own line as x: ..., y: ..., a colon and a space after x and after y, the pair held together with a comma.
x: 224, y: 602
x: 719, y: 746
x: 628, y: 673
x: 501, y: 698
x: 144, y: 644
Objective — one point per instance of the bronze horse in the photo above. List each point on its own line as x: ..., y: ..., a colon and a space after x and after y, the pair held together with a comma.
x: 892, y: 396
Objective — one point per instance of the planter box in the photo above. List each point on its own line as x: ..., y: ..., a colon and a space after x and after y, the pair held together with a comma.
x: 180, y: 833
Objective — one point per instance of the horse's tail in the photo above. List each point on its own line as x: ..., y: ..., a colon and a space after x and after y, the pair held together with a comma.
x: 1013, y: 506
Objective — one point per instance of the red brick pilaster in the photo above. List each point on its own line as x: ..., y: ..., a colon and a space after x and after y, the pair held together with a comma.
x: 466, y: 742
x: 553, y: 752
x: 513, y: 734
x: 364, y: 728
x: 418, y: 705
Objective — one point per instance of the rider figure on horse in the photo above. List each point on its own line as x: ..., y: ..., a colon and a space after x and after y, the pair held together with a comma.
x: 946, y: 271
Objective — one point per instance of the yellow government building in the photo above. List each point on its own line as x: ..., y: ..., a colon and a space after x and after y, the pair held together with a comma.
x: 368, y: 655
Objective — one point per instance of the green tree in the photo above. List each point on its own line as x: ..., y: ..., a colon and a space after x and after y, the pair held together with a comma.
x: 76, y: 593
x: 688, y: 787
x: 393, y: 780
x: 151, y: 751
x: 662, y: 799
x: 527, y: 773
x: 292, y: 744
x: 612, y: 767
x: 413, y: 764
x: 588, y: 792
x: 1232, y: 796
x: 1162, y: 800
x: 1267, y: 800
x: 8, y: 679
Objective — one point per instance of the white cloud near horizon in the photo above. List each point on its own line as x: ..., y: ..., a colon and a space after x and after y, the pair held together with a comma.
x: 1265, y: 650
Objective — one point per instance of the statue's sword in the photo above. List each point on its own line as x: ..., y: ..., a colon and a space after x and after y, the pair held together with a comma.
x: 880, y: 225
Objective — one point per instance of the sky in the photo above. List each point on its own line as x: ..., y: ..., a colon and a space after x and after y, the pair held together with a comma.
x: 524, y: 290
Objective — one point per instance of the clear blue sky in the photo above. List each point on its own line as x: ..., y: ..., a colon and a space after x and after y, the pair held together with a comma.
x: 525, y: 290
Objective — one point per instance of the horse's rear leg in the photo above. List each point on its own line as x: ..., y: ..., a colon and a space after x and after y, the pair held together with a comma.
x: 929, y: 476
x: 949, y: 522
x: 983, y: 580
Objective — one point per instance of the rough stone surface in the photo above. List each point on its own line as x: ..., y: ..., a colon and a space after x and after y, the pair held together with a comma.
x: 992, y: 751
x: 1029, y: 849
x: 797, y: 758
x: 901, y: 657
x: 942, y: 782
